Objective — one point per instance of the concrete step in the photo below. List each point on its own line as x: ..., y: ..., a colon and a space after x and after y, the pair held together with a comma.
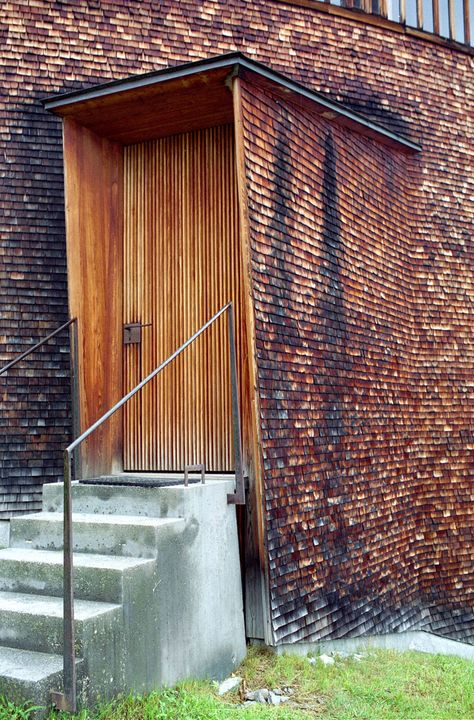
x: 142, y: 500
x: 127, y: 535
x: 34, y: 622
x: 32, y: 675
x: 96, y: 577
x: 158, y: 572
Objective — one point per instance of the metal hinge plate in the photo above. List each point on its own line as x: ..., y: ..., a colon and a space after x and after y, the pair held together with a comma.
x: 132, y: 334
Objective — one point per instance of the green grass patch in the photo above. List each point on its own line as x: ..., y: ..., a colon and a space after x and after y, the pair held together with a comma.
x: 188, y: 701
x: 412, y: 686
x: 383, y: 685
x: 10, y: 711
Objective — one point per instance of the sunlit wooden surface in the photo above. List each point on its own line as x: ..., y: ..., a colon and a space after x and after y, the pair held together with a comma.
x: 181, y: 264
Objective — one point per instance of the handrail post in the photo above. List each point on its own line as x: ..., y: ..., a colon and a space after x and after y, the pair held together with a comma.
x: 238, y: 497
x: 68, y: 700
x: 69, y: 649
x: 74, y: 366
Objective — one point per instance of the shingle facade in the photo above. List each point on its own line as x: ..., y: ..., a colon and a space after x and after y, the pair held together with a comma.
x: 363, y: 287
x: 335, y: 290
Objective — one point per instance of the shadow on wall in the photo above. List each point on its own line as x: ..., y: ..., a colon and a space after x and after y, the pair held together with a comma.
x: 336, y: 363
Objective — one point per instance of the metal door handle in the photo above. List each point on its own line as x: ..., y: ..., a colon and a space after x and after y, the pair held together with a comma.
x: 132, y: 333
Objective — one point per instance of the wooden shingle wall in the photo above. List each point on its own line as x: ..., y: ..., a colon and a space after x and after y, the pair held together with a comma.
x: 336, y: 297
x: 334, y: 309
x: 34, y: 395
x: 412, y: 87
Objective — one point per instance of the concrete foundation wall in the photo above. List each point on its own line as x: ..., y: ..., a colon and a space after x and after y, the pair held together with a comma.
x: 412, y: 640
x: 199, y: 595
x: 4, y: 533
x: 186, y: 619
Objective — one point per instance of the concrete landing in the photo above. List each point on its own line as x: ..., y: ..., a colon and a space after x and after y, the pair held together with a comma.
x: 153, y: 479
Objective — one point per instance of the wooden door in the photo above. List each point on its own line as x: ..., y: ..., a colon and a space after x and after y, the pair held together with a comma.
x: 181, y: 265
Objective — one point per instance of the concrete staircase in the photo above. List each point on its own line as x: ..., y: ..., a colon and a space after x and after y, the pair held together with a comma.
x: 157, y: 587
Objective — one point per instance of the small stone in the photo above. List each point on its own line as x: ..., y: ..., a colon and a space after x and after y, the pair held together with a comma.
x: 276, y: 699
x: 262, y: 695
x: 326, y: 660
x: 312, y: 661
x: 229, y: 684
x: 259, y: 696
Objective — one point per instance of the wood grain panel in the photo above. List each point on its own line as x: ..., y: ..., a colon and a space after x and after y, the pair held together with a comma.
x: 93, y: 186
x: 419, y: 14
x: 182, y: 264
x: 256, y: 581
x: 436, y: 26
x: 452, y: 19
x: 172, y: 107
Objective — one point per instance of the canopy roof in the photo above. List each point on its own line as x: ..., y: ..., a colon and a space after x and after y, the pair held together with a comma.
x: 191, y: 96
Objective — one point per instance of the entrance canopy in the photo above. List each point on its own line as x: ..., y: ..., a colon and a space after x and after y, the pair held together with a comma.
x: 194, y: 96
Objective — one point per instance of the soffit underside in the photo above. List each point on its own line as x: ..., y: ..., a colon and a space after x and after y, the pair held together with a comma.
x: 154, y: 111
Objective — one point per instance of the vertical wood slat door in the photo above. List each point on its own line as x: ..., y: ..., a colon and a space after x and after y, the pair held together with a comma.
x: 181, y: 265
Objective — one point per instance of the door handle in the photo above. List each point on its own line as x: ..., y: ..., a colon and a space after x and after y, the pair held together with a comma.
x: 132, y: 333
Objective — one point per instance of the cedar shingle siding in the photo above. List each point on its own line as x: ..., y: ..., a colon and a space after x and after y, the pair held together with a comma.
x: 362, y: 264
x: 335, y: 286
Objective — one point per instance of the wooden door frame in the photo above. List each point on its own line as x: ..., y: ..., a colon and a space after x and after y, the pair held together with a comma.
x: 256, y: 579
x: 93, y: 179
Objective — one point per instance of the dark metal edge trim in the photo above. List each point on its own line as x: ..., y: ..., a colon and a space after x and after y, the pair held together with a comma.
x: 138, y: 81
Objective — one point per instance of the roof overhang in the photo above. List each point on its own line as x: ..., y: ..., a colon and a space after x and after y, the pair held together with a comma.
x: 195, y: 95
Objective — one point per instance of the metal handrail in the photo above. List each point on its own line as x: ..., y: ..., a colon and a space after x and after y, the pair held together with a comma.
x: 36, y: 346
x: 68, y: 699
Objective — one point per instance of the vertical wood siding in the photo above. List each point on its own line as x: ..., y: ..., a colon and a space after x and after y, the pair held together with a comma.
x: 181, y: 266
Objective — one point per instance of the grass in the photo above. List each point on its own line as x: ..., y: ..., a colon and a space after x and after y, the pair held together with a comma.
x: 10, y: 711
x: 383, y: 685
